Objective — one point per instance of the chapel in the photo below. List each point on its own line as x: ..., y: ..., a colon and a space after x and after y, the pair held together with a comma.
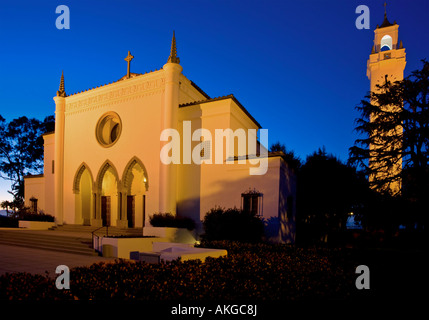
x: 156, y: 142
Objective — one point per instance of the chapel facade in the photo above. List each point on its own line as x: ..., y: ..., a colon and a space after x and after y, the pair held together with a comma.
x: 104, y: 164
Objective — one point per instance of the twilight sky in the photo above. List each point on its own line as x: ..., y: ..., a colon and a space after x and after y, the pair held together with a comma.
x: 299, y: 67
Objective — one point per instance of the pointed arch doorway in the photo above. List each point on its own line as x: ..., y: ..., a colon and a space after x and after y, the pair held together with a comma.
x: 135, y: 187
x: 106, y: 196
x: 83, y: 190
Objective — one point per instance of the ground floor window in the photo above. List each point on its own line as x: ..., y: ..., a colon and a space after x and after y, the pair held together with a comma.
x: 252, y: 202
x: 33, y: 205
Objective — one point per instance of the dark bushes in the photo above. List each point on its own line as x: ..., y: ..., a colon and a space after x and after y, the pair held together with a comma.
x: 30, y: 216
x: 12, y: 220
x: 250, y: 272
x: 232, y: 224
x: 169, y: 220
x: 8, y: 222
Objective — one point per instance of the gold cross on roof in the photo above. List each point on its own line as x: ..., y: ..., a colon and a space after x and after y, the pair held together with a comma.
x: 128, y: 59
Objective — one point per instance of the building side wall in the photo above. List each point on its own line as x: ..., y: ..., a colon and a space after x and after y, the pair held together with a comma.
x: 48, y: 172
x: 35, y: 188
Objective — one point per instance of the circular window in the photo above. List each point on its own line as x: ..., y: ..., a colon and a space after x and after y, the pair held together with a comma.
x: 108, y: 129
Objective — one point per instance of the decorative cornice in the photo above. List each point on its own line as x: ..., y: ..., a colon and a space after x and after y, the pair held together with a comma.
x: 128, y: 90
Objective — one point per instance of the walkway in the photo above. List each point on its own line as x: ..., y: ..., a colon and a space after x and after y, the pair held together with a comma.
x: 48, y: 251
x: 36, y: 261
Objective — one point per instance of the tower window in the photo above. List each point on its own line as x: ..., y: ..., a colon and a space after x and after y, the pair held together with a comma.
x: 386, y: 43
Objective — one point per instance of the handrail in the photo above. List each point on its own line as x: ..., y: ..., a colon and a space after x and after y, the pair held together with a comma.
x: 93, y: 234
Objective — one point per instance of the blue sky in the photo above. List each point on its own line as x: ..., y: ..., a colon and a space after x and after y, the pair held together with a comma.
x: 299, y: 67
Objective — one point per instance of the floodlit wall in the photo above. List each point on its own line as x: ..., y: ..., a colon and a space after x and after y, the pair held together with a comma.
x: 35, y: 188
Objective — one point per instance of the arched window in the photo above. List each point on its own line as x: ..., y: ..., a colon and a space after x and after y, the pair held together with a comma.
x: 386, y: 43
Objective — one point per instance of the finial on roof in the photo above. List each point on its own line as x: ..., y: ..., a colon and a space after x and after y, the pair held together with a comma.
x: 61, y: 92
x: 386, y: 22
x: 173, y: 58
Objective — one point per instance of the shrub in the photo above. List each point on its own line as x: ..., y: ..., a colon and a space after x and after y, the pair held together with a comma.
x: 232, y: 224
x: 8, y: 222
x: 254, y: 272
x: 25, y: 214
x: 169, y: 220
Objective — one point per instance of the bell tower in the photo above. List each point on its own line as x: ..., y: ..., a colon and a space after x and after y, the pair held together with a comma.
x: 386, y: 63
x: 387, y: 57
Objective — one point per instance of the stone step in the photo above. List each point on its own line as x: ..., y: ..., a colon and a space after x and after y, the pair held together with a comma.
x: 43, y: 237
x: 89, y: 229
x: 47, y: 242
x: 75, y: 239
x: 42, y: 246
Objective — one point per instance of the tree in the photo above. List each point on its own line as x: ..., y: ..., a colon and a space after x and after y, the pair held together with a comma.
x: 232, y: 224
x: 405, y: 105
x: 288, y: 155
x: 327, y: 191
x: 6, y: 205
x: 21, y: 150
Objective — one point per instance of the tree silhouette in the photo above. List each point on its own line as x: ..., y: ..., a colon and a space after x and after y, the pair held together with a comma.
x: 288, y: 155
x: 21, y: 150
x: 404, y: 105
x: 327, y: 192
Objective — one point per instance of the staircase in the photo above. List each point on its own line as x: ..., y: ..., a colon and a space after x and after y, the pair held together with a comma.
x: 47, y: 240
x: 74, y: 239
x: 111, y: 231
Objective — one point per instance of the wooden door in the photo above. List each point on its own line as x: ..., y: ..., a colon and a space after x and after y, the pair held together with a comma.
x: 131, y: 211
x: 105, y: 210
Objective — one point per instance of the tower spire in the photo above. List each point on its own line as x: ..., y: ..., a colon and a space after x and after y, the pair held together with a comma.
x: 61, y: 92
x: 386, y: 22
x: 173, y: 58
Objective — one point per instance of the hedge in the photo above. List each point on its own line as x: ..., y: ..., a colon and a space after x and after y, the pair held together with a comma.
x: 250, y: 272
x: 232, y: 224
x: 169, y: 220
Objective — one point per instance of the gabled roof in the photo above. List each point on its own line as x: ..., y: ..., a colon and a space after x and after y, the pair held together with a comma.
x: 230, y: 96
x: 200, y: 90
